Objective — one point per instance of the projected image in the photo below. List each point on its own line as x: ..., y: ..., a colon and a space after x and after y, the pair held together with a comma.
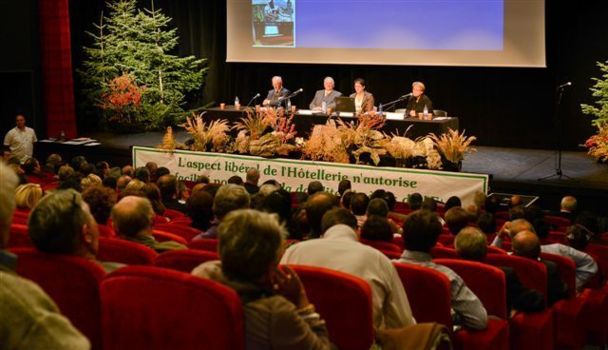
x: 273, y: 23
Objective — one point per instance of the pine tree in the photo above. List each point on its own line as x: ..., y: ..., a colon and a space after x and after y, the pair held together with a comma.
x: 141, y: 44
x: 600, y: 91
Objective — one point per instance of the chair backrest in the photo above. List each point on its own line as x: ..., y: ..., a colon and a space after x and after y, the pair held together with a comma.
x: 184, y: 260
x: 439, y: 252
x: 182, y: 230
x: 123, y: 251
x: 558, y: 237
x: 72, y: 282
x: 173, y: 214
x: 600, y: 255
x: 566, y: 268
x: 382, y: 246
x: 19, y: 237
x: 106, y: 231
x: 428, y: 291
x: 495, y: 250
x: 146, y: 307
x: 183, y: 220
x: 163, y: 236
x: 440, y: 113
x: 336, y: 294
x: 209, y: 244
x: 560, y: 223
x: 532, y: 274
x: 487, y: 282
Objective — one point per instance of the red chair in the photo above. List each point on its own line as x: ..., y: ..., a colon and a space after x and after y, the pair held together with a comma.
x: 402, y: 208
x: 558, y: 237
x: 20, y: 216
x: 19, y: 236
x: 184, y: 231
x: 72, y: 282
x: 600, y: 255
x: 173, y: 214
x: 502, y: 215
x: 491, y: 290
x: 123, y: 251
x: 381, y: 246
x: 151, y: 308
x: 495, y: 250
x: 336, y: 294
x: 209, y: 244
x: 398, y: 241
x: 163, y: 236
x: 183, y: 220
x: 428, y: 291
x: 439, y: 252
x: 106, y: 231
x: 528, y: 330
x: 560, y: 223
x: 184, y: 260
x: 446, y: 239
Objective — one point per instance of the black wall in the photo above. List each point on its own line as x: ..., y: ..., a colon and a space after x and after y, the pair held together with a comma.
x: 502, y: 106
x: 19, y: 64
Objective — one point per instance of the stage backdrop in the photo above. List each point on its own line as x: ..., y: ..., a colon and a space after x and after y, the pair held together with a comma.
x: 295, y: 175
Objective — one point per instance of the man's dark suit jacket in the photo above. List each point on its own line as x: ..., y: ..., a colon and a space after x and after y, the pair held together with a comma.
x: 273, y: 96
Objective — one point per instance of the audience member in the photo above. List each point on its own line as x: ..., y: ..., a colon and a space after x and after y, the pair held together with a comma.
x: 27, y: 196
x: 358, y: 205
x: 61, y: 223
x: 456, y: 219
x: 414, y: 201
x: 339, y: 249
x: 132, y: 220
x: 279, y: 203
x: 152, y: 168
x: 90, y: 180
x: 100, y: 200
x: 526, y: 244
x: 252, y: 177
x: 228, y: 198
x: 344, y: 186
x: 167, y: 184
x: 200, y: 210
x: 122, y: 182
x: 29, y: 319
x: 316, y: 206
x: 236, y: 180
x: 487, y: 223
x: 451, y: 203
x: 377, y: 228
x: 420, y: 233
x: 568, y: 208
x: 277, y: 312
x: 142, y: 174
x: 471, y: 244
x: 314, y: 187
x: 110, y: 182
x: 128, y: 170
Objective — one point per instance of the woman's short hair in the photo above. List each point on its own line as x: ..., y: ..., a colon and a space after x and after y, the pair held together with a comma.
x: 361, y: 81
x: 90, y: 180
x: 100, y: 200
x: 28, y: 195
x: 249, y: 243
x: 228, y: 198
x: 377, y: 228
x: 419, y: 83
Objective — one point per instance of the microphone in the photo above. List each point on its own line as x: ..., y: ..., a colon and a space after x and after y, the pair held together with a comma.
x: 565, y: 85
x: 293, y: 94
x: 405, y: 96
x: 254, y: 98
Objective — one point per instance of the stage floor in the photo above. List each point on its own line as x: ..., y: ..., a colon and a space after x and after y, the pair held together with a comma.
x: 513, y: 170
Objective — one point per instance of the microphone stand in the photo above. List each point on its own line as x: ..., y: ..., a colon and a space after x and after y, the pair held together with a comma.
x: 253, y: 99
x: 388, y: 105
x: 559, y: 132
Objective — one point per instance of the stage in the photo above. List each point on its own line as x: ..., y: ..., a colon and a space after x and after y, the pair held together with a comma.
x: 512, y: 170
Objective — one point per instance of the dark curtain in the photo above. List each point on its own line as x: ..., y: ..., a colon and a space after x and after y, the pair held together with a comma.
x: 501, y: 106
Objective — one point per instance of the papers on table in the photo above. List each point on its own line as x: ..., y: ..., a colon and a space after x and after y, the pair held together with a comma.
x: 305, y: 111
x: 393, y: 116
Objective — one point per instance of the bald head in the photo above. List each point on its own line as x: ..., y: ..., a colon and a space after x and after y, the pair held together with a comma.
x: 471, y: 244
x: 526, y: 244
x: 519, y: 225
x: 132, y: 215
x: 568, y: 204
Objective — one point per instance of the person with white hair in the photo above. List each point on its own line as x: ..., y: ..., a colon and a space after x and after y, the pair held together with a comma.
x: 29, y: 319
x: 326, y: 97
x: 418, y: 100
x: 273, y: 98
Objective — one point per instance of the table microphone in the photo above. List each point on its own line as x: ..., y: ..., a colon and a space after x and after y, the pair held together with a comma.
x: 254, y: 98
x: 564, y: 85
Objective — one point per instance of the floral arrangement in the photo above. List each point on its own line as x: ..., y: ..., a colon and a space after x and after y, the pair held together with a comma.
x: 208, y: 137
x: 598, y: 144
x: 123, y: 97
x: 453, y: 145
x: 270, y: 133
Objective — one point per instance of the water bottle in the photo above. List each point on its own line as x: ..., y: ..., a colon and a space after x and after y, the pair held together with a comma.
x: 425, y: 112
x: 288, y: 105
x: 237, y: 104
x: 324, y: 106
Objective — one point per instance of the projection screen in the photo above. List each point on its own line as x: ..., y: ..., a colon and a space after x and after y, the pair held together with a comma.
x: 491, y: 33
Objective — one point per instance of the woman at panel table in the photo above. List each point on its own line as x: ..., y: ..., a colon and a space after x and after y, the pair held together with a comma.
x: 364, y: 101
x: 418, y: 100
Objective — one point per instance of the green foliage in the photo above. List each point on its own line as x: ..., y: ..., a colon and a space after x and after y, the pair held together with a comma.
x: 140, y: 43
x: 600, y: 91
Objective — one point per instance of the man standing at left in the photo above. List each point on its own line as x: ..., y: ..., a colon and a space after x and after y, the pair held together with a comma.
x: 20, y: 140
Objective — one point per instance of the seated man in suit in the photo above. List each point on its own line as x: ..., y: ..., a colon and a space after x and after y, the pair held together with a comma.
x: 526, y: 244
x: 276, y: 93
x: 327, y: 95
x: 471, y: 244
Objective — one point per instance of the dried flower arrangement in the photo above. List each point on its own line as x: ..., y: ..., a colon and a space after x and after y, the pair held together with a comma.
x: 254, y: 139
x: 364, y: 137
x: 208, y: 137
x: 169, y: 143
x: 453, y: 145
x: 325, y: 143
x: 598, y: 144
